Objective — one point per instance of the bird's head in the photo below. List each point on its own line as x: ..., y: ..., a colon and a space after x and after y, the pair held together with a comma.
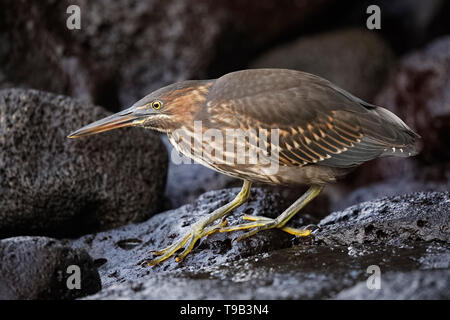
x: 164, y: 110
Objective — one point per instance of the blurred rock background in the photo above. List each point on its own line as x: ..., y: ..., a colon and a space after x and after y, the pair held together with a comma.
x: 53, y: 187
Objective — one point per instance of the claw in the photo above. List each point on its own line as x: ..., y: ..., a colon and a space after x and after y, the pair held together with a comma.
x: 156, y: 253
x: 202, y: 228
x: 191, y: 239
x: 297, y: 232
x: 188, y: 248
x: 169, y: 251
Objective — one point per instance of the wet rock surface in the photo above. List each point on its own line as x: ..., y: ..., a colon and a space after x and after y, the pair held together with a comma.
x: 56, y: 187
x: 300, y: 272
x: 37, y: 268
x: 390, y: 187
x: 396, y: 220
x: 404, y: 286
x: 407, y: 237
x: 123, y: 250
x: 51, y: 185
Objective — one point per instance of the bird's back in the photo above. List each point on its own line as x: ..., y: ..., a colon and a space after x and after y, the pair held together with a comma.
x: 318, y: 122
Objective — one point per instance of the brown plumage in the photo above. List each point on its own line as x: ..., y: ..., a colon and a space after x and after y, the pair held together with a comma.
x: 323, y: 130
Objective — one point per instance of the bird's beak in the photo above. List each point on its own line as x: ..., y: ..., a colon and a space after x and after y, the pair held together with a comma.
x: 125, y: 118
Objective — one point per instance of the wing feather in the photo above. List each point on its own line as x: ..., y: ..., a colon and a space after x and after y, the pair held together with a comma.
x: 319, y: 122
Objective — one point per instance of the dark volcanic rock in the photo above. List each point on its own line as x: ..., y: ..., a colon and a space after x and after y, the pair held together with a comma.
x: 418, y: 93
x: 300, y: 272
x: 51, y: 185
x: 354, y: 59
x: 291, y: 273
x: 186, y: 182
x: 123, y: 249
x: 404, y: 286
x: 410, y: 236
x: 394, y: 220
x: 127, y: 48
x: 37, y: 268
x: 390, y: 187
x: 406, y: 24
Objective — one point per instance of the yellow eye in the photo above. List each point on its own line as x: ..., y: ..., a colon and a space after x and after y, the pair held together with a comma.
x: 157, y: 104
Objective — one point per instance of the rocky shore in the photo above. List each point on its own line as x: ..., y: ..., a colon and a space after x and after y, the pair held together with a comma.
x: 97, y: 207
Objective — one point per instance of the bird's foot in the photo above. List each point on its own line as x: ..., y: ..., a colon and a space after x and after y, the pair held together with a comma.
x: 263, y: 223
x: 197, y: 231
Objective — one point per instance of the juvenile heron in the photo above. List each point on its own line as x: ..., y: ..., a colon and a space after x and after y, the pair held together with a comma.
x: 322, y: 133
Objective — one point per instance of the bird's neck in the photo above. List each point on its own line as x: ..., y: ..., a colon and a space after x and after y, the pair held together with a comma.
x: 186, y: 104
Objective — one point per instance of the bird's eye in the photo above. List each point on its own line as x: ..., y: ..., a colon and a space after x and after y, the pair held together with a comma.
x: 157, y: 104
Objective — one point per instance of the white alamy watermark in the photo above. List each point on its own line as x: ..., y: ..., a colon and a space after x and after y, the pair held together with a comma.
x: 374, y: 20
x: 227, y: 147
x: 73, y: 22
x: 74, y: 280
x: 374, y: 280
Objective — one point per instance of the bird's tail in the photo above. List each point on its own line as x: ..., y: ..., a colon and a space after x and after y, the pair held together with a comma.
x: 397, y: 139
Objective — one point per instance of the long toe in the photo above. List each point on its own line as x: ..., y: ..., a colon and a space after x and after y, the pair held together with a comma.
x: 297, y: 232
x: 169, y: 251
x: 262, y: 223
x: 188, y: 242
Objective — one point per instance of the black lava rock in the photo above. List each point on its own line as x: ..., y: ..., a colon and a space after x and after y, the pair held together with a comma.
x: 300, y: 272
x: 54, y: 186
x: 421, y: 285
x: 125, y: 248
x: 418, y: 92
x: 39, y: 268
x: 127, y: 48
x: 357, y: 60
x: 394, y: 220
x: 405, y: 236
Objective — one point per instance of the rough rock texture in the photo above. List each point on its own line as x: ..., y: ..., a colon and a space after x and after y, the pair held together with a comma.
x: 354, y: 59
x: 407, y: 234
x: 291, y: 273
x: 300, y: 272
x: 186, y: 182
x: 413, y: 217
x: 418, y: 93
x: 123, y: 250
x: 37, y: 268
x: 404, y: 286
x: 127, y: 48
x: 51, y: 185
x: 391, y: 187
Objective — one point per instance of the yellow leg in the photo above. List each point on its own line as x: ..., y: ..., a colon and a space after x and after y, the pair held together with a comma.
x: 264, y: 223
x: 295, y: 232
x: 201, y: 228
